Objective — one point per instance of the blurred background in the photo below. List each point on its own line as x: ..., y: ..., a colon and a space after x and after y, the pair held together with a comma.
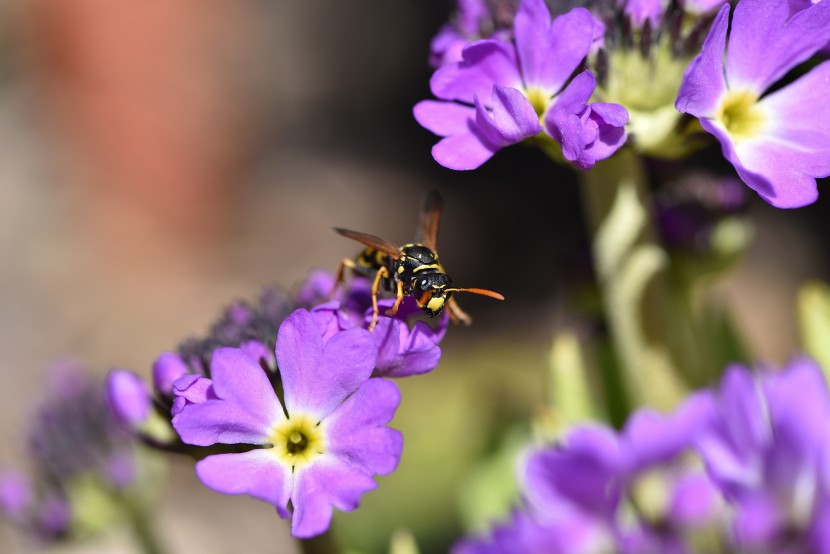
x: 160, y: 159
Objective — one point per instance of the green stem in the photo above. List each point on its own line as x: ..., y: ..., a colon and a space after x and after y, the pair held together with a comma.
x: 630, y: 266
x: 143, y: 530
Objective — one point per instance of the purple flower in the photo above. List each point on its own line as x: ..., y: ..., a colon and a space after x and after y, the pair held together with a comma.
x: 502, y: 93
x: 768, y: 450
x: 321, y: 446
x: 779, y: 142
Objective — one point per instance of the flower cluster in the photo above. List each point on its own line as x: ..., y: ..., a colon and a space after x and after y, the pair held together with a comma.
x: 504, y: 76
x: 74, y: 442
x: 303, y: 416
x: 741, y: 468
x: 502, y: 92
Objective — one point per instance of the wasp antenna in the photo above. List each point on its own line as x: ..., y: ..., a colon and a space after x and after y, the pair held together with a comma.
x: 482, y: 292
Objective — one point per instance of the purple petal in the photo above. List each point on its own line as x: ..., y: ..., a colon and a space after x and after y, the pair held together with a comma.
x: 444, y: 118
x: 695, y: 500
x: 402, y: 352
x: 167, y: 368
x: 799, y: 399
x: 610, y: 120
x: 240, y: 406
x: 765, y: 43
x: 239, y: 380
x: 549, y: 52
x: 563, y: 120
x: 329, y: 482
x: 256, y: 473
x: 652, y: 438
x: 128, y: 397
x: 191, y: 389
x: 512, y: 116
x: 357, y: 429
x: 316, y: 289
x: 486, y: 63
x: 463, y: 152
x: 583, y: 476
x: 318, y: 378
x: 704, y: 83
x: 757, y: 521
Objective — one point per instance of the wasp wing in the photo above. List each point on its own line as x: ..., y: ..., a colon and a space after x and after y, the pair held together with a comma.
x: 430, y: 220
x: 371, y: 241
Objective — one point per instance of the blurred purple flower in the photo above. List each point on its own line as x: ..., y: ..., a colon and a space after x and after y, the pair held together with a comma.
x: 74, y: 436
x: 577, y: 492
x: 321, y: 446
x: 502, y: 93
x: 779, y: 142
x: 768, y: 450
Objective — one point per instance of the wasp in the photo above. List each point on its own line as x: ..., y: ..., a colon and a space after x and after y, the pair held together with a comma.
x: 412, y: 269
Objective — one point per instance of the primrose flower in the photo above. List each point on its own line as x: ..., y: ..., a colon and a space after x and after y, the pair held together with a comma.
x: 779, y: 142
x: 503, y: 92
x: 317, y: 448
x: 768, y: 450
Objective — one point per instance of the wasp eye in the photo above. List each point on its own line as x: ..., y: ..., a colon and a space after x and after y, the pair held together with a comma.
x: 423, y: 283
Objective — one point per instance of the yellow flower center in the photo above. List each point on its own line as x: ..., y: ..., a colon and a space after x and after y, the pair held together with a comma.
x: 741, y: 115
x: 297, y: 441
x: 539, y: 99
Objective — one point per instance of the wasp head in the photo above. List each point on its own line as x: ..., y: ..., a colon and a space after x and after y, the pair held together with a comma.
x: 430, y: 292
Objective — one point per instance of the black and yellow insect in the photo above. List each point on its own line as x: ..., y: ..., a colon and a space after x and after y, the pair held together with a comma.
x: 412, y: 269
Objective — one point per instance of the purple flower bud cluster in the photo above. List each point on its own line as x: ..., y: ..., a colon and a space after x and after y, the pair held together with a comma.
x: 298, y: 421
x: 73, y: 435
x: 742, y: 468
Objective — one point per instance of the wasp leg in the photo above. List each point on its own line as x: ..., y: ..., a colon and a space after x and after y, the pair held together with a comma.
x: 381, y: 274
x: 398, y: 299
x: 457, y: 315
x: 341, y: 269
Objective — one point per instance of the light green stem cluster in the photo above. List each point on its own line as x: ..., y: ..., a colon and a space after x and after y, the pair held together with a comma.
x: 631, y: 274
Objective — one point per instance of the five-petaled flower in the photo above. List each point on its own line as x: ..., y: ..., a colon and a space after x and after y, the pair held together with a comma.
x: 503, y: 92
x: 779, y: 142
x: 317, y: 449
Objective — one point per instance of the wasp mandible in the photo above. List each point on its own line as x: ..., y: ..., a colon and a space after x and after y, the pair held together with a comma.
x: 412, y: 269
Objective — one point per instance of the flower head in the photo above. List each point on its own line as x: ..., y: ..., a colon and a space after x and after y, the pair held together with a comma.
x: 503, y: 92
x: 317, y: 448
x: 779, y: 142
